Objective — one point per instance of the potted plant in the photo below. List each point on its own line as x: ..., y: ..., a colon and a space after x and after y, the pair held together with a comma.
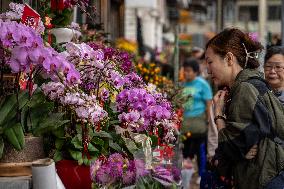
x: 28, y: 112
x: 59, y: 13
x: 112, y: 110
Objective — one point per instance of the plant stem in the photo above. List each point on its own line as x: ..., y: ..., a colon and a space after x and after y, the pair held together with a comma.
x: 16, y: 85
x: 2, y: 57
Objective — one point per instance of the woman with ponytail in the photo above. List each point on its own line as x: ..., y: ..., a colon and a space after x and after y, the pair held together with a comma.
x: 247, y: 114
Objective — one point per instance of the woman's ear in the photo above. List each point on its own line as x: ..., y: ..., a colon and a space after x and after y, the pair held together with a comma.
x: 230, y: 58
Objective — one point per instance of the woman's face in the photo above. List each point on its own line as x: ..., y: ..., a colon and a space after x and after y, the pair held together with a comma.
x: 217, y: 68
x: 274, y: 71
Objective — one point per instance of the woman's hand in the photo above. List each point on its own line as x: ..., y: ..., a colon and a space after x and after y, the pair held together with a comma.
x: 219, y: 102
x: 252, y: 152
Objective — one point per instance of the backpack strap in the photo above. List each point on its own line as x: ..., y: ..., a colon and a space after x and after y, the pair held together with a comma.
x: 262, y: 86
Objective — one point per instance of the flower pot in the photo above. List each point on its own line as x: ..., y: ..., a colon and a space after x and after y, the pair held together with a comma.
x: 18, y: 163
x: 63, y: 35
x: 44, y: 174
x: 74, y: 176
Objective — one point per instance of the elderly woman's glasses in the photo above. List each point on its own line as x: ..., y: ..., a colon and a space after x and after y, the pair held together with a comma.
x: 277, y: 68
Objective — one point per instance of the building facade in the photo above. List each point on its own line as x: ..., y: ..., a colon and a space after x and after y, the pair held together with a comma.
x: 243, y: 14
x: 153, y: 16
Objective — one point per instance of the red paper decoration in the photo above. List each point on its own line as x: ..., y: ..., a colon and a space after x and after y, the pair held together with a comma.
x: 30, y: 17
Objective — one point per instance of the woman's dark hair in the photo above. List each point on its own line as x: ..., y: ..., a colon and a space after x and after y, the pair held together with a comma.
x: 237, y: 42
x: 272, y: 51
x: 192, y: 63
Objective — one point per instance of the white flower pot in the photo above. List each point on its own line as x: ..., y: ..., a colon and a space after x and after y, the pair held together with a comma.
x: 63, y: 35
x: 44, y: 174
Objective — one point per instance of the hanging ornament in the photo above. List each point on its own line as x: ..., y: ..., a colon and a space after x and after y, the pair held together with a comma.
x: 49, y: 26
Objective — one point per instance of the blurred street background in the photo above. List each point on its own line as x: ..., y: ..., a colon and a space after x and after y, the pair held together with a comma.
x: 166, y: 32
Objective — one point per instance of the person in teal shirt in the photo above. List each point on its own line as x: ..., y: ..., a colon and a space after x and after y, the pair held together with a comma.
x: 196, y: 114
x: 201, y: 93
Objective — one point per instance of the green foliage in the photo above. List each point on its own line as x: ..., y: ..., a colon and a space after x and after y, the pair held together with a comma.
x: 175, y: 94
x: 15, y: 135
x: 11, y: 130
x: 60, y: 18
x: 103, y: 142
x: 21, y: 114
x: 38, y: 117
x: 130, y: 144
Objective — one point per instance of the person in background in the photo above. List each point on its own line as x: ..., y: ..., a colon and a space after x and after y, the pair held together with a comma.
x: 203, y: 68
x: 197, y: 52
x: 274, y: 70
x: 196, y: 114
x: 212, y: 138
x: 246, y: 113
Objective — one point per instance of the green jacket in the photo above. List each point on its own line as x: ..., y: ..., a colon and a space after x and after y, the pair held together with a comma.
x: 253, y: 116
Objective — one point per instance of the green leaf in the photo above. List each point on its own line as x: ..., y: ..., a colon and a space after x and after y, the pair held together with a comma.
x: 31, y: 116
x: 97, y: 141
x: 130, y: 144
x: 114, y: 146
x: 80, y: 161
x: 57, y: 156
x: 9, y: 107
x: 24, y: 116
x: 39, y: 112
x: 23, y: 99
x: 77, y: 142
x: 79, y: 128
x: 1, y: 146
x: 92, y: 148
x: 38, y: 98
x: 102, y: 134
x: 154, y: 140
x: 49, y: 123
x: 59, y: 132
x: 114, y: 122
x: 18, y: 130
x: 59, y: 143
x: 12, y: 137
x: 86, y: 161
x: 77, y: 155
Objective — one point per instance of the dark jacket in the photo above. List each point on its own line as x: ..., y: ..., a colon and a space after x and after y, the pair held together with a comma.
x: 253, y: 116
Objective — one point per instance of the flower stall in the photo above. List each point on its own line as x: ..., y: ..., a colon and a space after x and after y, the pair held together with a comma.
x: 103, y: 125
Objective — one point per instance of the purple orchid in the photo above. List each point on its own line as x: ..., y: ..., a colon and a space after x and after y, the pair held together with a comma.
x: 104, y: 94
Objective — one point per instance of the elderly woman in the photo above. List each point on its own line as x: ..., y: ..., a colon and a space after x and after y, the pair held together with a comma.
x: 274, y: 70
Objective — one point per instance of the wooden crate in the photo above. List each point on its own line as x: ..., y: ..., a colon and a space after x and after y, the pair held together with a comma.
x: 15, y: 169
